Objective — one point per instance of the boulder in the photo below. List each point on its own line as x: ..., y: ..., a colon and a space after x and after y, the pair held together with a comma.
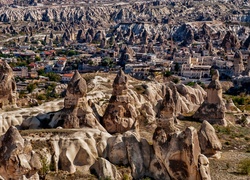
x: 105, y: 170
x: 204, y: 167
x: 17, y: 158
x: 209, y: 142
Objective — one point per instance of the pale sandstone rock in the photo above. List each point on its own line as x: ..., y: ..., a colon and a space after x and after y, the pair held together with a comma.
x: 231, y: 106
x: 75, y: 151
x: 130, y: 149
x: 104, y: 169
x: 120, y: 115
x: 213, y: 108
x: 77, y: 112
x: 167, y: 112
x: 238, y: 63
x: 16, y: 157
x: 209, y: 142
x: 178, y: 152
x: 7, y: 86
x: 204, y: 167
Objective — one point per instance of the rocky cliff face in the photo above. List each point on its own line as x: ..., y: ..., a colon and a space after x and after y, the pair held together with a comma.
x: 7, y: 86
x: 213, y: 108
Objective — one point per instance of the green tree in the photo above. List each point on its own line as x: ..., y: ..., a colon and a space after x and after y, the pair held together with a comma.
x: 167, y: 74
x: 31, y: 87
x: 37, y: 58
x: 53, y: 77
x: 177, y: 67
x: 41, y: 72
x: 107, y: 61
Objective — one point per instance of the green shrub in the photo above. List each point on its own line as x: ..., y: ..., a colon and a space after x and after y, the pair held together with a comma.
x: 176, y: 80
x: 167, y: 74
x: 41, y: 97
x: 125, y: 177
x: 244, y: 167
x: 45, y: 167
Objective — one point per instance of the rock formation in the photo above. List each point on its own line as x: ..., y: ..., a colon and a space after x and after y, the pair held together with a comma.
x: 166, y: 112
x: 17, y: 158
x: 104, y: 169
x: 178, y: 152
x: 213, y: 108
x: 77, y: 112
x: 230, y: 41
x: 238, y: 64
x: 128, y: 148
x: 184, y: 98
x: 209, y: 142
x: 230, y: 106
x: 120, y: 114
x: 7, y: 86
x: 204, y: 167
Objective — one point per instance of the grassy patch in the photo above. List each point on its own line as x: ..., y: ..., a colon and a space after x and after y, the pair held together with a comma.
x: 234, y: 137
x: 244, y: 167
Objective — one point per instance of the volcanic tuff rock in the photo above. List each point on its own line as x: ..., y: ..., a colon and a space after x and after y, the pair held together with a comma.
x: 231, y: 106
x: 209, y: 142
x: 17, y: 158
x: 7, y: 86
x: 184, y: 98
x: 204, y: 167
x: 238, y: 63
x: 184, y: 33
x: 230, y: 41
x: 135, y: 151
x: 77, y: 112
x: 178, y: 152
x: 74, y: 151
x: 213, y: 108
x: 120, y: 114
x: 104, y: 169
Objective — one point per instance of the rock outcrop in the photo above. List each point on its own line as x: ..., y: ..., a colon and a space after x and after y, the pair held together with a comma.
x: 76, y: 112
x: 230, y: 106
x: 179, y: 99
x: 213, y: 108
x: 17, y: 158
x: 120, y: 115
x: 204, y: 167
x: 129, y: 149
x: 178, y: 152
x: 209, y: 142
x: 105, y: 170
x: 7, y: 86
x: 230, y: 41
x: 238, y: 63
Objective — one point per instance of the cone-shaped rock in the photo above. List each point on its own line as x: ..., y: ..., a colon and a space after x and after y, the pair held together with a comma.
x: 213, y: 108
x: 120, y: 115
x: 7, y: 85
x: 76, y: 113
